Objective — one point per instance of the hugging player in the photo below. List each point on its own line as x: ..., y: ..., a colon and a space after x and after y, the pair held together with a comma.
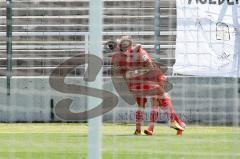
x: 143, y: 78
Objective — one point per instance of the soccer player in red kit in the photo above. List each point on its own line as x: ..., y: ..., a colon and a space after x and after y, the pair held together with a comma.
x: 144, y: 78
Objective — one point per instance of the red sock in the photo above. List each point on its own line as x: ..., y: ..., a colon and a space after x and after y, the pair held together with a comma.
x: 153, y: 118
x: 172, y: 116
x: 139, y: 119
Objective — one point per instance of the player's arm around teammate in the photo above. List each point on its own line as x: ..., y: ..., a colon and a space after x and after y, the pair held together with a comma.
x: 132, y: 61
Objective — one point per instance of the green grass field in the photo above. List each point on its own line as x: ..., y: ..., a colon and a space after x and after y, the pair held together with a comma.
x: 69, y: 141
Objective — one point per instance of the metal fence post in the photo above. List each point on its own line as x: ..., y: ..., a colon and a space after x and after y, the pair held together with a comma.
x: 9, y: 44
x: 157, y: 26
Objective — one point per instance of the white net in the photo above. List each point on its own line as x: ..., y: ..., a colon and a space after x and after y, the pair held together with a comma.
x: 49, y: 39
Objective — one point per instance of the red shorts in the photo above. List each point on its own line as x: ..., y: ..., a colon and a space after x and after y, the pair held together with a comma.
x: 147, y: 86
x: 155, y: 100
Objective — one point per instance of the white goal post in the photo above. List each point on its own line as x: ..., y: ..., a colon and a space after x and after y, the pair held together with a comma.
x: 95, y: 48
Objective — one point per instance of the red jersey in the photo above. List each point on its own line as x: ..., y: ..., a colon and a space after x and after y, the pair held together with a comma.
x: 139, y: 70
